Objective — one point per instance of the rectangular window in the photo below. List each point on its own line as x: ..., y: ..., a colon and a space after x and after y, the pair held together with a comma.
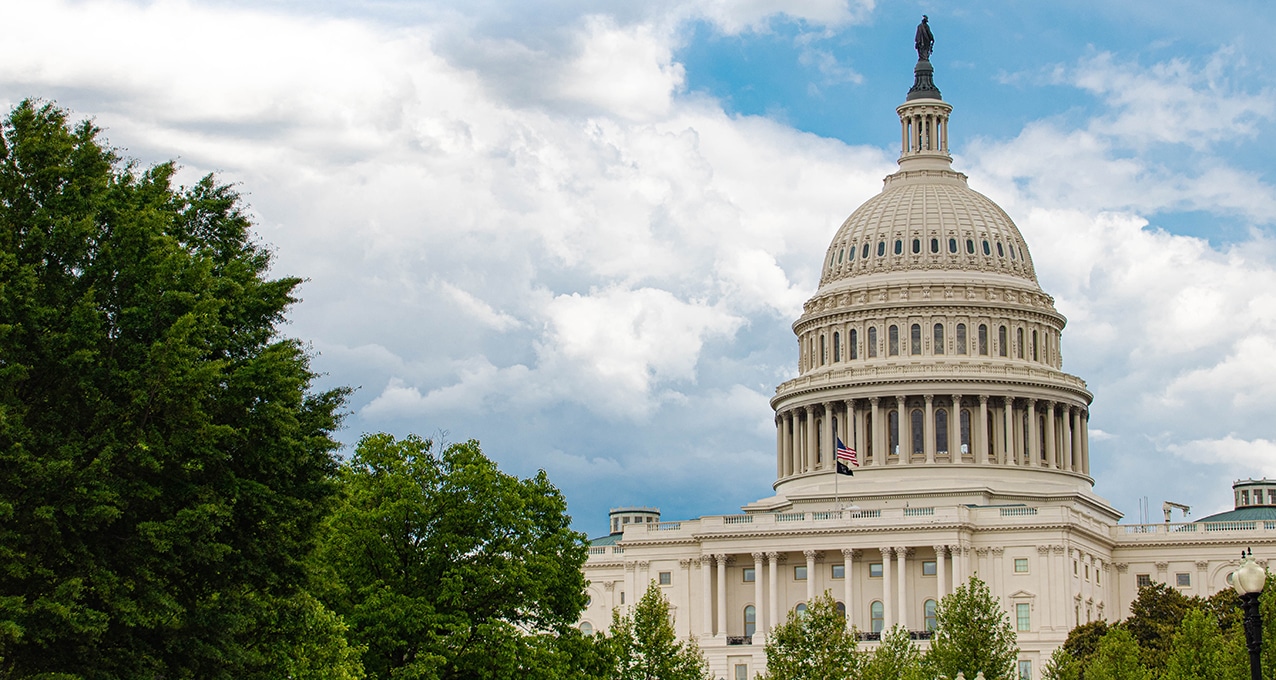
x: 1183, y: 580
x: 666, y: 578
x: 875, y: 570
x: 1023, y: 614
x: 839, y: 571
x: 749, y: 575
x: 1025, y: 670
x: 928, y: 568
x: 1143, y: 580
x: 799, y: 573
x: 1021, y: 565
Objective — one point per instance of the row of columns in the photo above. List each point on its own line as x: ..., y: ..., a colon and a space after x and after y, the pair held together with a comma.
x: 805, y: 434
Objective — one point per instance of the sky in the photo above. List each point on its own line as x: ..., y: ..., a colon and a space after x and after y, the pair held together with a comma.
x: 579, y: 232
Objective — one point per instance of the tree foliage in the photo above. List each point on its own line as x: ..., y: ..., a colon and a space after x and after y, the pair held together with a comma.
x: 443, y: 565
x: 973, y: 634
x: 645, y: 647
x: 812, y: 645
x: 163, y: 460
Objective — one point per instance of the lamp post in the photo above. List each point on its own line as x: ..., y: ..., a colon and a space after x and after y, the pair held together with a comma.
x: 1248, y: 580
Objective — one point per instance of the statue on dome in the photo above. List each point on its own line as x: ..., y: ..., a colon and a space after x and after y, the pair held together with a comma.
x: 925, y: 40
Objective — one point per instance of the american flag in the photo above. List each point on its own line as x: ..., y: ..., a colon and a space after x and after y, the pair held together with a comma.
x: 846, y: 453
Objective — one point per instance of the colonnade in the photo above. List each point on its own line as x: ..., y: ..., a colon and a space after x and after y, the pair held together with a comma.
x: 983, y: 430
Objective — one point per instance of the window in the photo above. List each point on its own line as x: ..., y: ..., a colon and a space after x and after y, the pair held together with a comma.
x: 741, y: 672
x: 1021, y: 565
x: 1025, y: 670
x: 1001, y: 341
x: 666, y: 578
x: 892, y: 339
x: 750, y: 620
x: 837, y: 347
x: 839, y: 571
x: 915, y: 339
x: 875, y: 570
x: 939, y: 339
x: 1183, y: 580
x: 928, y: 568
x: 877, y: 615
x: 961, y: 338
x: 750, y: 575
x: 983, y: 339
x: 854, y: 349
x: 872, y: 342
x: 799, y: 573
x: 1143, y: 580
x: 929, y: 610
x: 1023, y: 616
x: 586, y: 628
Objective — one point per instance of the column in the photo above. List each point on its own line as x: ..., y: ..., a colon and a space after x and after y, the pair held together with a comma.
x: 888, y: 610
x: 722, y: 593
x: 902, y: 425
x: 879, y: 451
x: 1067, y: 438
x: 1009, y: 439
x: 848, y: 561
x: 954, y: 431
x: 982, y: 456
x: 810, y: 575
x: 773, y: 607
x: 941, y: 578
x: 902, y: 586
x: 928, y: 429
x: 1051, y: 449
x: 706, y: 587
x: 1034, y: 440
x: 812, y: 440
x: 826, y: 460
x: 758, y: 618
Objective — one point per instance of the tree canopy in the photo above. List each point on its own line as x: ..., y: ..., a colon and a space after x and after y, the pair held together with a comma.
x: 164, y: 460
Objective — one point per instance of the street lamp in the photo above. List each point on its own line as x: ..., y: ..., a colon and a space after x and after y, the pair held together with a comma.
x: 1248, y: 581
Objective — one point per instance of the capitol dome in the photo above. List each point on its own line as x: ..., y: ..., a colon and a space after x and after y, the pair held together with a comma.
x: 929, y: 348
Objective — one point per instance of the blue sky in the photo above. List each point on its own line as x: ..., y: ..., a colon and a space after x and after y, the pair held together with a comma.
x: 579, y: 232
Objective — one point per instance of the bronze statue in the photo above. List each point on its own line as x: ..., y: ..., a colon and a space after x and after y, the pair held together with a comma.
x: 925, y: 40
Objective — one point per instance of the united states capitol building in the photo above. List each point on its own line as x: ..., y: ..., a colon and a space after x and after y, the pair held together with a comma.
x: 931, y: 349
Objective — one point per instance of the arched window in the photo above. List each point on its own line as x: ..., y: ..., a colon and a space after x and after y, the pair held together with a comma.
x: 1035, y: 354
x: 915, y: 339
x: 961, y: 338
x: 893, y: 340
x: 1019, y: 342
x: 586, y: 628
x: 965, y: 429
x: 750, y: 621
x: 929, y: 609
x: 919, y: 438
x: 877, y: 615
x: 939, y: 339
x: 800, y: 609
x: 854, y: 349
x: 837, y: 347
x: 872, y: 342
x: 892, y: 429
x: 941, y: 430
x: 841, y: 609
x: 983, y: 339
x: 1001, y: 341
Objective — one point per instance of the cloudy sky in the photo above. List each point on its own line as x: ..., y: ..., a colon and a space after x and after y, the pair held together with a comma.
x: 579, y: 231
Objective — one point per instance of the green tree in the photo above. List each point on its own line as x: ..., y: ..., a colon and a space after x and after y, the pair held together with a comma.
x: 1155, y: 615
x: 645, y: 647
x: 442, y: 564
x: 1062, y: 665
x: 896, y: 658
x: 1198, y: 650
x: 1117, y: 658
x: 972, y: 634
x: 812, y: 645
x: 164, y: 462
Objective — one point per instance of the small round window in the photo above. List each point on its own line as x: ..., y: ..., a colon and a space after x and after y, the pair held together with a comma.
x: 899, y: 247
x: 952, y: 245
x: 1000, y: 251
x: 917, y: 246
x: 881, y: 248
x: 934, y: 245
x: 864, y: 251
x: 987, y: 250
